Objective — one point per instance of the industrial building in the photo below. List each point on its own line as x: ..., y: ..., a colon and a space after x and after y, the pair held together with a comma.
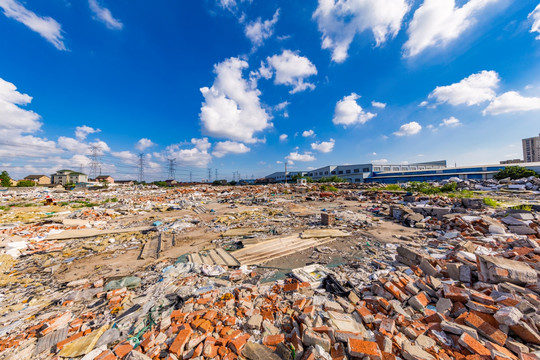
x: 391, y: 174
x: 355, y: 173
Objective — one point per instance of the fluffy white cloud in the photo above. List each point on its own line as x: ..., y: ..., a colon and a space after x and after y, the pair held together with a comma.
x: 229, y: 147
x: 295, y: 156
x: 76, y: 146
x: 348, y: 112
x: 340, y: 20
x: 450, y: 122
x: 258, y: 30
x: 377, y: 104
x: 438, y: 22
x: 104, y: 15
x: 126, y: 156
x: 81, y: 132
x: 309, y: 133
x: 144, y: 144
x: 17, y: 126
x: 290, y: 69
x: 197, y: 156
x: 473, y: 90
x: 512, y: 101
x: 535, y: 16
x: 379, y: 162
x: 232, y: 108
x: 283, y: 137
x: 14, y: 118
x: 324, y: 146
x: 408, y: 129
x: 46, y: 26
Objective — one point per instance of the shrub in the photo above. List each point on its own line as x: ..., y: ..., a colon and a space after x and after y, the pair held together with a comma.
x: 329, y: 188
x: 450, y: 187
x: 331, y: 179
x: 26, y: 183
x: 514, y: 172
x: 491, y: 202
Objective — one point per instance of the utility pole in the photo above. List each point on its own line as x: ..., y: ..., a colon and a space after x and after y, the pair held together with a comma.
x: 233, y: 176
x: 209, y: 175
x: 285, y: 173
x: 81, y: 168
x: 172, y: 172
x: 190, y: 177
x: 95, y: 150
x: 216, y: 177
x: 141, y: 167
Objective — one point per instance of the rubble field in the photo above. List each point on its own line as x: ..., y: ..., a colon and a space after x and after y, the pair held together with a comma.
x: 349, y: 271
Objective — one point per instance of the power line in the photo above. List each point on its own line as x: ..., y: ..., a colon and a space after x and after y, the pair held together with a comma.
x: 95, y: 162
x: 141, y: 167
x: 172, y: 173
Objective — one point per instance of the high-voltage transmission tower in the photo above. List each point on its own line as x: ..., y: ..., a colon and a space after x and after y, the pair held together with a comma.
x: 216, y: 176
x: 209, y: 175
x: 95, y: 165
x: 141, y: 168
x: 172, y: 171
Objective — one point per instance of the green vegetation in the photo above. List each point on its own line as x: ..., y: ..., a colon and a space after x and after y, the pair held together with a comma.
x: 5, y: 180
x: 393, y: 187
x: 26, y: 183
x: 5, y: 208
x: 423, y: 188
x: 514, y: 172
x: 449, y: 187
x: 490, y: 202
x: 296, y: 177
x: 233, y: 183
x: 111, y: 200
x: 522, y: 207
x: 329, y: 188
x: 331, y: 179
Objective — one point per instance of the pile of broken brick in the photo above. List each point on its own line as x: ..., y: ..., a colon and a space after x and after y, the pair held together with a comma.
x: 425, y: 308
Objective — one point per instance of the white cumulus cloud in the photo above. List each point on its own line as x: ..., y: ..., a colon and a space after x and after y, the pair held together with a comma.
x: 348, y: 112
x: 378, y: 104
x: 324, y: 146
x: 229, y: 147
x: 81, y: 132
x: 104, y: 15
x: 450, y: 122
x: 512, y: 101
x: 296, y: 156
x: 258, y: 30
x: 144, y: 144
x: 340, y: 20
x: 45, y: 26
x: 309, y: 133
x: 473, y: 90
x: 438, y: 22
x: 379, y: 162
x: 535, y: 16
x: 283, y: 137
x: 408, y: 129
x: 290, y: 69
x: 232, y: 108
x: 196, y: 156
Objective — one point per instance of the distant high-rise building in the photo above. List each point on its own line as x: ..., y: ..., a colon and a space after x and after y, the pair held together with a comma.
x: 531, y: 149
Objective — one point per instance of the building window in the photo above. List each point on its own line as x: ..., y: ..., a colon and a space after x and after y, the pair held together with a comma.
x: 347, y: 171
x: 366, y: 169
x: 333, y: 172
x: 340, y: 172
x: 326, y: 173
x: 357, y: 180
x: 356, y: 170
x: 375, y: 169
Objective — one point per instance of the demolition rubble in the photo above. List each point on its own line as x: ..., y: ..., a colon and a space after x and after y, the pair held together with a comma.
x: 271, y: 272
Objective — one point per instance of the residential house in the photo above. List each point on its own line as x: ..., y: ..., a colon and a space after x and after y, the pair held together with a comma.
x: 105, y: 178
x: 67, y: 176
x: 39, y: 179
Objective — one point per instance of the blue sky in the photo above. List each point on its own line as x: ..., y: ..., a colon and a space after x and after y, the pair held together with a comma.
x: 240, y: 85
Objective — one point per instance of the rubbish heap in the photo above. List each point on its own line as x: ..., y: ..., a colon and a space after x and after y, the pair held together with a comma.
x: 462, y: 285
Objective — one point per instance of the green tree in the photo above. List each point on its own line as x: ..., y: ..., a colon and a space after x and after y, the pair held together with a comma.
x: 332, y: 179
x: 5, y: 180
x: 26, y: 183
x: 514, y: 172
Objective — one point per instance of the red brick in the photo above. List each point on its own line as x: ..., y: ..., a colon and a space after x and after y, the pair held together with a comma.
x: 177, y: 347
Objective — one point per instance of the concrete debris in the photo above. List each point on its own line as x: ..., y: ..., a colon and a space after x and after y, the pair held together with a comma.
x: 269, y: 272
